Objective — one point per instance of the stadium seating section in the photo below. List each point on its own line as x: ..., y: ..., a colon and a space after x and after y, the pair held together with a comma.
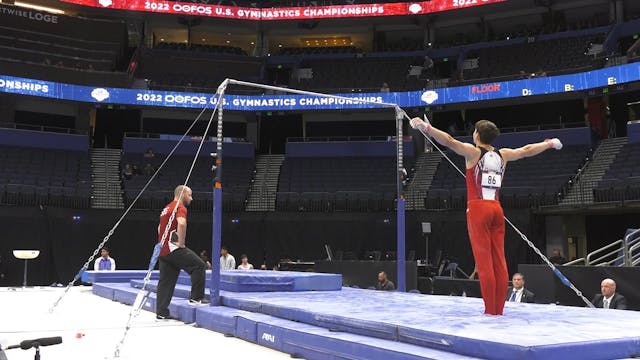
x: 238, y: 173
x: 361, y: 73
x: 338, y: 184
x: 173, y: 68
x: 622, y: 180
x: 31, y: 177
x: 536, y: 181
x: 530, y: 57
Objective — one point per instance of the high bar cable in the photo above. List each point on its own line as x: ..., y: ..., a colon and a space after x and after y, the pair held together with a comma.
x: 143, y: 293
x: 555, y: 270
x: 126, y: 212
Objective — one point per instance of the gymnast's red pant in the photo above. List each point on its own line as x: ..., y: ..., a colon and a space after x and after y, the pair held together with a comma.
x: 485, y: 222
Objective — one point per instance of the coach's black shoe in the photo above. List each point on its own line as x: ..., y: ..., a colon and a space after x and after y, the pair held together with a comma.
x: 201, y: 302
x: 166, y: 317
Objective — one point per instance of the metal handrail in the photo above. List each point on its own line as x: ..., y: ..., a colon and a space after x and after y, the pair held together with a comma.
x: 590, y: 262
x: 576, y: 262
x: 630, y: 246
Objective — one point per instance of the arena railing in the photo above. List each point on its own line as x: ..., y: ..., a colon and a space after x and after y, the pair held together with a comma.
x: 19, y: 126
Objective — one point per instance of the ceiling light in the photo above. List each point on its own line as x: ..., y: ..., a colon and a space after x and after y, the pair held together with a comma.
x: 38, y: 7
x: 228, y: 41
x: 161, y: 39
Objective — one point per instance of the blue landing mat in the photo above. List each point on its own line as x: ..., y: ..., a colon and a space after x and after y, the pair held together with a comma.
x: 456, y: 324
x: 307, y: 341
x: 125, y: 294
x: 119, y: 276
x: 234, y: 280
x: 299, y: 340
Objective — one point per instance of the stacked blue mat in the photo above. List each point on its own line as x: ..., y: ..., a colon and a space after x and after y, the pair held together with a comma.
x: 365, y: 324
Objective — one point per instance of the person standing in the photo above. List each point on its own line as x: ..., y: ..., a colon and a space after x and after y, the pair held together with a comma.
x: 227, y: 261
x: 175, y: 256
x: 485, y: 167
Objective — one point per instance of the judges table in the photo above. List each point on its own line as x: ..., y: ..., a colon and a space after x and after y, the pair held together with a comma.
x: 365, y: 273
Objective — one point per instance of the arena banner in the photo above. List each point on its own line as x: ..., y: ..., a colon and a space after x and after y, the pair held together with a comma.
x: 285, y: 13
x: 479, y: 92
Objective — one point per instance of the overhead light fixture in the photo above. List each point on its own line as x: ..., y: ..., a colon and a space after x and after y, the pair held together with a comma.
x: 252, y: 43
x: 161, y: 39
x: 204, y: 39
x: 38, y: 7
x: 228, y: 41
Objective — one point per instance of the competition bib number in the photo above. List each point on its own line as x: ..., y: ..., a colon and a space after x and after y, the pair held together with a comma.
x: 491, y: 180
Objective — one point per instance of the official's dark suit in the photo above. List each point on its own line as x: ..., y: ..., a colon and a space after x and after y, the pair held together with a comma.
x: 617, y: 302
x: 527, y: 296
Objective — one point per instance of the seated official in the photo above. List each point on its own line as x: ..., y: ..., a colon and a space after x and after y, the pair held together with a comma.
x: 384, y: 283
x: 517, y: 292
x: 608, y: 298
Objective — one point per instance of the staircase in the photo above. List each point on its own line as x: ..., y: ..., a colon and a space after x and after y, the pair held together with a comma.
x: 582, y: 190
x: 265, y: 184
x: 425, y: 168
x: 105, y: 177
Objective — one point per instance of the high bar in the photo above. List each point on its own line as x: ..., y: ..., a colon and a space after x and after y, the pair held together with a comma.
x: 301, y: 92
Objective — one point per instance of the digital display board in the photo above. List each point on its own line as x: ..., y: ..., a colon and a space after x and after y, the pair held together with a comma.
x: 478, y: 92
x: 285, y: 13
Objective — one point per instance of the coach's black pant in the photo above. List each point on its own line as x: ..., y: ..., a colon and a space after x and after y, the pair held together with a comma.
x: 170, y: 266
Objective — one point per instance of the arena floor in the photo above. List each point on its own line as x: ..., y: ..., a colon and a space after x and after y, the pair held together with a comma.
x: 91, y: 326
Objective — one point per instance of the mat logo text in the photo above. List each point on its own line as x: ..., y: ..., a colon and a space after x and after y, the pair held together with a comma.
x: 268, y: 337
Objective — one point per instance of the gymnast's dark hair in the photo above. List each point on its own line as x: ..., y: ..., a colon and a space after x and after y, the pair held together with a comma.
x: 487, y: 131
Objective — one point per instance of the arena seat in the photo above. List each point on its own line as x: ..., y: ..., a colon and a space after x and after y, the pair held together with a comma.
x: 621, y: 182
x: 44, y: 176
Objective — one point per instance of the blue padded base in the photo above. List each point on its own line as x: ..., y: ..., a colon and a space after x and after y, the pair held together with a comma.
x: 234, y: 280
x: 456, y: 324
x: 442, y: 323
x: 307, y: 341
x: 119, y: 276
x: 125, y: 294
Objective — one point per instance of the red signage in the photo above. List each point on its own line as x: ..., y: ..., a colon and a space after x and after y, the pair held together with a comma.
x: 288, y: 13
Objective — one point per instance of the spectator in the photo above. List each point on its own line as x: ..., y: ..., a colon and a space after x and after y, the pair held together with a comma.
x: 127, y: 172
x: 608, y: 299
x: 205, y: 257
x: 385, y: 87
x: 149, y: 154
x: 227, y: 261
x: 384, y: 283
x: 104, y: 262
x: 135, y: 170
x: 244, y: 263
x: 517, y: 293
x: 263, y: 267
x: 148, y: 170
x: 541, y: 73
x: 557, y: 258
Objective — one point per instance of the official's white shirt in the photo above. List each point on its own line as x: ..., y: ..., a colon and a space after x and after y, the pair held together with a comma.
x: 518, y: 295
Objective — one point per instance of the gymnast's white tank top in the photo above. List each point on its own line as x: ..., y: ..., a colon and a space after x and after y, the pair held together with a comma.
x: 485, y: 179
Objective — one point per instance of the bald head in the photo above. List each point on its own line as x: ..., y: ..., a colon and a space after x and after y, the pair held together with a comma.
x: 607, y: 287
x: 183, y: 192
